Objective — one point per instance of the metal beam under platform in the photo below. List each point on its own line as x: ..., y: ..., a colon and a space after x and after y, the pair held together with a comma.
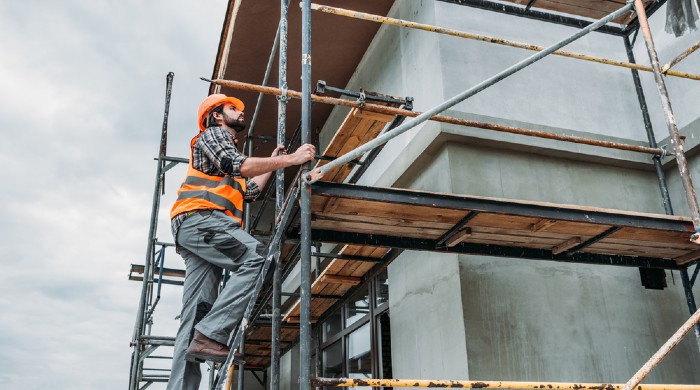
x: 428, y: 221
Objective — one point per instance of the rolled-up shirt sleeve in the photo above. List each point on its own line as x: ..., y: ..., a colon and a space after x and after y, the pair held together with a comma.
x: 218, y: 147
x: 252, y: 190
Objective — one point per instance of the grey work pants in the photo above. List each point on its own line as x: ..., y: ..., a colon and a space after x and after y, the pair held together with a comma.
x: 210, y: 242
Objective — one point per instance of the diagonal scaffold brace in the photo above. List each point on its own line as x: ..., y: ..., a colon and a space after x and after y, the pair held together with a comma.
x: 272, y: 249
x: 318, y: 173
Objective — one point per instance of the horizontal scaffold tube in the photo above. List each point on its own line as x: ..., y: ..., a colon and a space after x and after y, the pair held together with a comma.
x: 439, y: 118
x: 485, y: 38
x: 348, y: 382
x: 681, y: 57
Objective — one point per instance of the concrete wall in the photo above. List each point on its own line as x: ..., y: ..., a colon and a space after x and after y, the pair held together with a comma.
x: 427, y: 331
x: 543, y: 321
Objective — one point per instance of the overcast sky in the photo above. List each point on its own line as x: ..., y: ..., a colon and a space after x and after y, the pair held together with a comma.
x: 81, y: 107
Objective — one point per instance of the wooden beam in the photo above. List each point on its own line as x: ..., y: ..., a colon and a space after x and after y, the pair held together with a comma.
x: 375, y: 116
x: 297, y: 319
x: 688, y: 257
x: 566, y: 245
x: 542, y: 225
x: 340, y: 279
x: 459, y: 237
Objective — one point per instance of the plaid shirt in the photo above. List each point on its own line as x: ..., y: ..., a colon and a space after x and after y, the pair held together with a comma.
x: 215, y: 154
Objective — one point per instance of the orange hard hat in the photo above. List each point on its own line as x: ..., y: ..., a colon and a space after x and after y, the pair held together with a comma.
x: 213, y: 101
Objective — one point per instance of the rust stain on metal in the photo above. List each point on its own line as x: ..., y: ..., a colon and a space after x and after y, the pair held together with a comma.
x: 495, y: 40
x: 439, y: 118
x: 479, y: 385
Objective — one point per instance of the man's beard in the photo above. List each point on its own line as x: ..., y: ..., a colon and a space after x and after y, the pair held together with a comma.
x: 236, y: 124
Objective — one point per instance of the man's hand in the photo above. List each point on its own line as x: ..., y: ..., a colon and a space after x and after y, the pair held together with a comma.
x: 305, y: 153
x: 256, y: 166
x: 278, y: 149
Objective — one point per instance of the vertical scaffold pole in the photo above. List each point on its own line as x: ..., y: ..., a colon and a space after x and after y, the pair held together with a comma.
x: 279, y: 200
x: 690, y: 299
x: 147, y: 270
x: 241, y: 367
x: 687, y: 285
x: 670, y: 118
x: 656, y: 159
x: 687, y: 184
x: 305, y: 317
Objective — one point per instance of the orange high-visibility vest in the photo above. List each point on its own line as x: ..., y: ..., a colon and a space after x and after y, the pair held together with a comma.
x: 200, y: 191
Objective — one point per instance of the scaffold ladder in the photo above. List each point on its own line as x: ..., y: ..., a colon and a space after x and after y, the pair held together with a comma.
x: 225, y: 372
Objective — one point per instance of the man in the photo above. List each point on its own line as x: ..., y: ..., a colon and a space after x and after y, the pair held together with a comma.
x: 207, y: 220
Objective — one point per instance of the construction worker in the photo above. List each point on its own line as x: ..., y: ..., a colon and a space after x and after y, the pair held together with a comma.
x: 207, y: 220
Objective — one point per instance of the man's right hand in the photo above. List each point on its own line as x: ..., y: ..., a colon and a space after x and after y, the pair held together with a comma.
x: 304, y: 153
x: 256, y: 166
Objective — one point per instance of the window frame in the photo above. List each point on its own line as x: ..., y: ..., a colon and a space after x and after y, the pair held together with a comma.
x: 372, y: 318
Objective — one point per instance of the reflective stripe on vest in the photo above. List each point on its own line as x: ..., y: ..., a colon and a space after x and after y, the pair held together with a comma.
x: 202, y: 182
x: 200, y: 191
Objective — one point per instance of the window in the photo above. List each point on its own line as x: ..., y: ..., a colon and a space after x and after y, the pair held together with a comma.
x: 356, y: 337
x: 332, y: 325
x: 382, y: 288
x: 333, y: 361
x: 357, y: 308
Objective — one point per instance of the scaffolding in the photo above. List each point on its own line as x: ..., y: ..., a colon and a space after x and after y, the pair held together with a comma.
x: 602, y: 236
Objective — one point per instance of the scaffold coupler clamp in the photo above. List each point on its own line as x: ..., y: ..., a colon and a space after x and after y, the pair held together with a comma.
x: 283, y: 98
x: 409, y: 103
x: 321, y: 87
x: 664, y: 152
x: 361, y: 99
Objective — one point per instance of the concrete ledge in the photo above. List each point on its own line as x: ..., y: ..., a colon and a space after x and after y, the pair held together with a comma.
x: 549, y: 147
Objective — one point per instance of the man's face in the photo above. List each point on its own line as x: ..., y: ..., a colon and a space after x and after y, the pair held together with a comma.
x: 234, y: 118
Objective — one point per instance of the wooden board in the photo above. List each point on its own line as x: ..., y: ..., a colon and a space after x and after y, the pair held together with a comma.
x: 258, y: 344
x: 593, y: 9
x: 358, y: 128
x: 323, y: 286
x: 401, y: 219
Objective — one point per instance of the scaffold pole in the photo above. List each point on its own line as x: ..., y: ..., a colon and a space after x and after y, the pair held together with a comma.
x: 494, y: 40
x: 675, y: 137
x: 279, y: 199
x: 305, y: 205
x: 140, y: 325
x: 466, y: 384
x: 440, y: 118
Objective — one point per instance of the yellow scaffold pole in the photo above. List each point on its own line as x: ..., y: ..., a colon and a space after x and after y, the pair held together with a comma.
x: 348, y: 382
x: 485, y: 38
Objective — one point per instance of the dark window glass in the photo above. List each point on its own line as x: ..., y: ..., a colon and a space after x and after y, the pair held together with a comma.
x: 333, y: 362
x: 359, y: 357
x: 384, y: 336
x: 357, y: 307
x: 382, y: 287
x: 332, y: 325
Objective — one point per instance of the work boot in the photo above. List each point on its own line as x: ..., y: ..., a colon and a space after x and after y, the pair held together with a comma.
x: 203, y: 349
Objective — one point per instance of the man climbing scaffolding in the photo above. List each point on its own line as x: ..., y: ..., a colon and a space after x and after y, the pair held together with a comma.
x: 207, y: 220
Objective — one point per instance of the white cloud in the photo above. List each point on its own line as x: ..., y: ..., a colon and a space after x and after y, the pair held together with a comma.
x: 80, y: 114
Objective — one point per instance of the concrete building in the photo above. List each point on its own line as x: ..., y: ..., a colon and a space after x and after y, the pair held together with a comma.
x: 458, y: 316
